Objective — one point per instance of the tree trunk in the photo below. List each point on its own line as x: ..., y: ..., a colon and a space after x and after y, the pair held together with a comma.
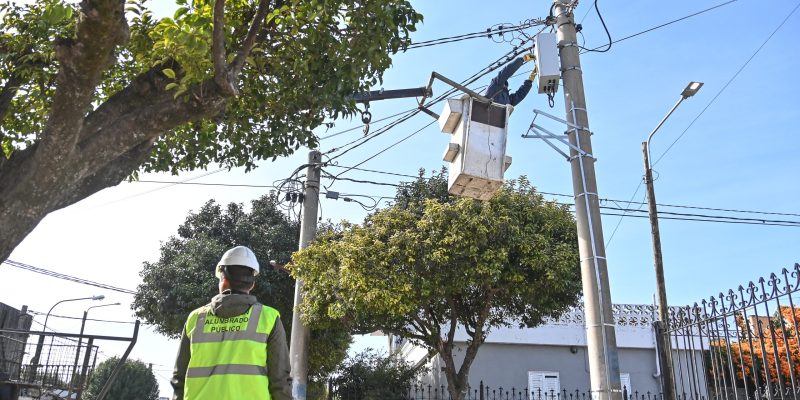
x: 457, y: 378
x: 79, y: 154
x: 120, y: 138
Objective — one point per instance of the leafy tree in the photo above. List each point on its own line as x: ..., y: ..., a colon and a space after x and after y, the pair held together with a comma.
x: 372, y: 376
x: 423, y: 269
x: 135, y: 381
x: 183, y: 278
x: 91, y: 93
x: 767, y: 349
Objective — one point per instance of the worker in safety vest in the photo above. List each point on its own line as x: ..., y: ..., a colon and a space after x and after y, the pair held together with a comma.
x: 233, y: 348
x: 498, y: 88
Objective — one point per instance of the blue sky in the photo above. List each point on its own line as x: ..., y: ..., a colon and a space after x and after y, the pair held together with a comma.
x: 739, y: 154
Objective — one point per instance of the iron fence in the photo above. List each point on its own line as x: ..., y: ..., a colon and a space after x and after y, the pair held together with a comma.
x: 741, y: 344
x: 43, y: 364
x: 482, y: 392
x: 51, y: 362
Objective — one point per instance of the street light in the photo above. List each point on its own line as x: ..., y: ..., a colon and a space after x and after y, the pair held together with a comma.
x: 665, y: 360
x: 78, y: 352
x: 38, y: 354
x: 98, y: 297
x: 691, y: 89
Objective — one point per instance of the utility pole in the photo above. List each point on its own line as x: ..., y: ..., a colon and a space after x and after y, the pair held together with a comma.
x: 298, y: 347
x: 665, y: 356
x: 662, y: 331
x: 600, y: 335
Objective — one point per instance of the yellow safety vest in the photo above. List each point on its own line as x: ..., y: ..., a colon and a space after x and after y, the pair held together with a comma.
x: 229, y: 355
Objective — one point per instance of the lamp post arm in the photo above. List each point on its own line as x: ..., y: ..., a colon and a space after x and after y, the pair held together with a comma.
x: 46, y: 317
x: 647, y: 143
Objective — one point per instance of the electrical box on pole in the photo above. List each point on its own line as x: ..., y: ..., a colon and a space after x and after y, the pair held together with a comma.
x: 546, y: 51
x: 477, y: 148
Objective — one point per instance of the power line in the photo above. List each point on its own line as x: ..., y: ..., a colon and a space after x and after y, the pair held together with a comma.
x: 374, y: 171
x: 712, y: 100
x: 210, y: 184
x: 58, y: 275
x: 627, y: 202
x: 602, y: 21
x: 719, y: 217
x: 333, y: 177
x: 492, y: 66
x: 703, y: 220
x: 733, y: 210
x: 80, y: 318
x: 488, y: 32
x: 728, y: 83
x: 619, y: 222
x: 357, y: 127
x: 389, y: 147
x: 163, y: 187
x: 360, y: 126
x: 500, y: 30
x: 661, y: 214
x: 661, y: 26
x: 666, y: 215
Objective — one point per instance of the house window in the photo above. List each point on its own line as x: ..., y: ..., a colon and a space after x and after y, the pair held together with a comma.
x: 544, y: 385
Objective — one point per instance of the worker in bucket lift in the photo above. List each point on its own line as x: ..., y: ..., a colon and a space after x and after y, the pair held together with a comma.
x: 234, y: 347
x: 498, y: 88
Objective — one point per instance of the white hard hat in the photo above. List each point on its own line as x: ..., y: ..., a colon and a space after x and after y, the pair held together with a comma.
x: 239, y: 255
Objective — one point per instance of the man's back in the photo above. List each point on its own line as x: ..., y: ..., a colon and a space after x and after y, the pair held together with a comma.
x: 231, y: 348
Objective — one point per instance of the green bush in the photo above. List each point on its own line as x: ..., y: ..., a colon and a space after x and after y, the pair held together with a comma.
x: 134, y: 382
x: 370, y: 375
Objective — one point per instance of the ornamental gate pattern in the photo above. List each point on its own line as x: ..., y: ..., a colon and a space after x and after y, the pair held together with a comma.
x: 746, y: 341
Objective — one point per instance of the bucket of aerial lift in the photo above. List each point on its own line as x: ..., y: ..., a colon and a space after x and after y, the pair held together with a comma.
x: 477, y: 148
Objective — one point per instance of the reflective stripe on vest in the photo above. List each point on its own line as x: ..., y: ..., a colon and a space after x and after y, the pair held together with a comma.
x: 229, y: 355
x: 229, y: 369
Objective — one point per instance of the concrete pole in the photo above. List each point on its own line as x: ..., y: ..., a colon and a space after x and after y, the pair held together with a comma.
x: 298, y: 347
x: 665, y: 359
x: 600, y: 335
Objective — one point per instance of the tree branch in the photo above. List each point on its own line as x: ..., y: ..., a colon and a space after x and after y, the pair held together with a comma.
x: 252, y: 34
x: 420, y: 325
x: 407, y: 334
x: 7, y: 94
x: 110, y: 175
x: 478, y: 338
x: 10, y: 167
x: 141, y: 112
x: 82, y: 61
x: 451, y: 334
x: 221, y: 77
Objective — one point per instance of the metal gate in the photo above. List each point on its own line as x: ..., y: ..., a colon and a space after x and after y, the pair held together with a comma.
x: 52, y: 364
x: 741, y: 344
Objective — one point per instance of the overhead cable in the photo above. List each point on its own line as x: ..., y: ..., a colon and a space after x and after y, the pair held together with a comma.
x: 498, y: 29
x: 493, y: 66
x: 602, y: 21
x: 59, y: 275
x: 87, y: 319
x: 628, y: 202
x: 661, y: 26
x: 729, y: 82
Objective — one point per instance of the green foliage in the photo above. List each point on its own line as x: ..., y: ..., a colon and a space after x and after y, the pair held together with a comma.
x: 309, y: 56
x: 27, y: 57
x: 134, y: 382
x: 372, y: 376
x: 183, y: 278
x: 413, y: 194
x: 423, y: 266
